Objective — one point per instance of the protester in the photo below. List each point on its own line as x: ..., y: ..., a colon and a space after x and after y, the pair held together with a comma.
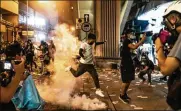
x: 52, y: 50
x: 86, y: 62
x: 171, y: 65
x: 29, y: 51
x: 148, y: 68
x: 43, y: 48
x: 127, y: 66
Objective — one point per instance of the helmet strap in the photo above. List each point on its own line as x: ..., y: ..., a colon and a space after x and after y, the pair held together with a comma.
x: 169, y: 24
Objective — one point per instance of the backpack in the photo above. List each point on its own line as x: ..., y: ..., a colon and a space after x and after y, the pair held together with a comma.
x: 174, y: 90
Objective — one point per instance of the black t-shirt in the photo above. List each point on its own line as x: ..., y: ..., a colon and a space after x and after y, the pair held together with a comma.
x: 7, y: 106
x: 125, y: 52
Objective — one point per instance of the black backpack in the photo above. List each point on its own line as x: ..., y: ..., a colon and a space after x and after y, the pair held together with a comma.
x: 174, y: 90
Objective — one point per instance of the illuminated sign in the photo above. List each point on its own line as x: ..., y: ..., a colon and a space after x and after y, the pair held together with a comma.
x: 28, y: 33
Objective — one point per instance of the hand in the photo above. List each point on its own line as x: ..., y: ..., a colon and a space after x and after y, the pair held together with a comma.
x: 144, y: 37
x: 20, y: 68
x: 105, y: 41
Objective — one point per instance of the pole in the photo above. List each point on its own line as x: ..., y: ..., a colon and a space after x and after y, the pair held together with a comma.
x: 27, y: 20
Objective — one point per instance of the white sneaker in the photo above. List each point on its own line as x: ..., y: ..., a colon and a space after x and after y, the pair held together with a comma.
x: 99, y: 92
x: 68, y: 68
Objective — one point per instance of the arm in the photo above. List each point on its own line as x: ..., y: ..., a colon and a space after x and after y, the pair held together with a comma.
x: 99, y: 43
x: 167, y: 64
x: 146, y: 68
x: 135, y: 46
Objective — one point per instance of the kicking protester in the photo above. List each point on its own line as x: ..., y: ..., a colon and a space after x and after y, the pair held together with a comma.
x: 86, y: 62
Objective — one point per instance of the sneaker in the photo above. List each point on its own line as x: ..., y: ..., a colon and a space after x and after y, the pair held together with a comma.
x: 99, y: 92
x: 127, y: 97
x: 124, y: 99
x: 68, y: 68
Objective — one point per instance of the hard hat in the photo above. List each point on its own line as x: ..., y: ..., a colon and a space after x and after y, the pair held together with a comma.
x: 174, y: 7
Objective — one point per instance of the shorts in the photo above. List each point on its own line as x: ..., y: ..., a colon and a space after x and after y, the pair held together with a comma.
x: 127, y: 73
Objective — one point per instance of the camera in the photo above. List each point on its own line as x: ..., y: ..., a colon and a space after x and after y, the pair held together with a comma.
x: 6, y: 66
x: 6, y: 73
x: 148, y: 33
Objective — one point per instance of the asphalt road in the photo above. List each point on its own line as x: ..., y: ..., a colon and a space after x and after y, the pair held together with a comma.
x: 144, y: 97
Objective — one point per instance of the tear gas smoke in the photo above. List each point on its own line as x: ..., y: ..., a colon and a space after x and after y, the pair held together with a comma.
x: 61, y: 90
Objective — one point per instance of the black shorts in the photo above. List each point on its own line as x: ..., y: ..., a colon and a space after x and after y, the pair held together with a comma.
x: 127, y: 73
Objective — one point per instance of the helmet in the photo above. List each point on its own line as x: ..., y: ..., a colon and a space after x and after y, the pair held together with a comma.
x: 174, y: 7
x: 42, y: 42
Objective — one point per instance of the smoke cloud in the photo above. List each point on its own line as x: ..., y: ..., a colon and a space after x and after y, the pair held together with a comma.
x: 60, y: 90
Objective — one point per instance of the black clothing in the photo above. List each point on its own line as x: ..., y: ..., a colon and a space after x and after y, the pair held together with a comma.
x: 126, y: 54
x: 174, y: 90
x: 148, y: 72
x: 150, y: 64
x: 127, y: 67
x: 7, y: 106
x: 81, y: 52
x: 87, y: 68
x: 127, y: 73
x: 146, y: 62
x: 99, y: 43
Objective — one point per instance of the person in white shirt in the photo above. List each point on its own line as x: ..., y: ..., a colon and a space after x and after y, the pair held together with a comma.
x: 86, y: 62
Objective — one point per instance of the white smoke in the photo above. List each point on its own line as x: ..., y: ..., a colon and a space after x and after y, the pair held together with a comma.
x: 61, y: 89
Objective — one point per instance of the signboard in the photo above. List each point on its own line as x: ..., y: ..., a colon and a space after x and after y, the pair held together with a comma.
x: 79, y: 23
x: 86, y: 17
x: 86, y: 27
x: 30, y: 33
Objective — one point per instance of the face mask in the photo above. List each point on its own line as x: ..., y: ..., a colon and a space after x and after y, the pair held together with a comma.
x: 132, y: 37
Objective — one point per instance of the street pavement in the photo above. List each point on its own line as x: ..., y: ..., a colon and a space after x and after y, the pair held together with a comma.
x: 143, y: 96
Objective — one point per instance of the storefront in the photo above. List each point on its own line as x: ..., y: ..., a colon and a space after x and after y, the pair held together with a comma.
x: 8, y: 20
x: 35, y: 25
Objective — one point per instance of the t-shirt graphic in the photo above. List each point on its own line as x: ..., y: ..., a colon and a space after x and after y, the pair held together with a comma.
x: 88, y: 54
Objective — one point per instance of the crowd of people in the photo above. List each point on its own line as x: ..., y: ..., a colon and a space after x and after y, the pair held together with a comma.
x: 168, y: 60
x: 27, y: 59
x: 45, y: 54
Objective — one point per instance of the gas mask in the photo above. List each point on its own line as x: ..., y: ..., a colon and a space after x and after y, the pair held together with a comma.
x: 172, y: 27
x: 132, y: 37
